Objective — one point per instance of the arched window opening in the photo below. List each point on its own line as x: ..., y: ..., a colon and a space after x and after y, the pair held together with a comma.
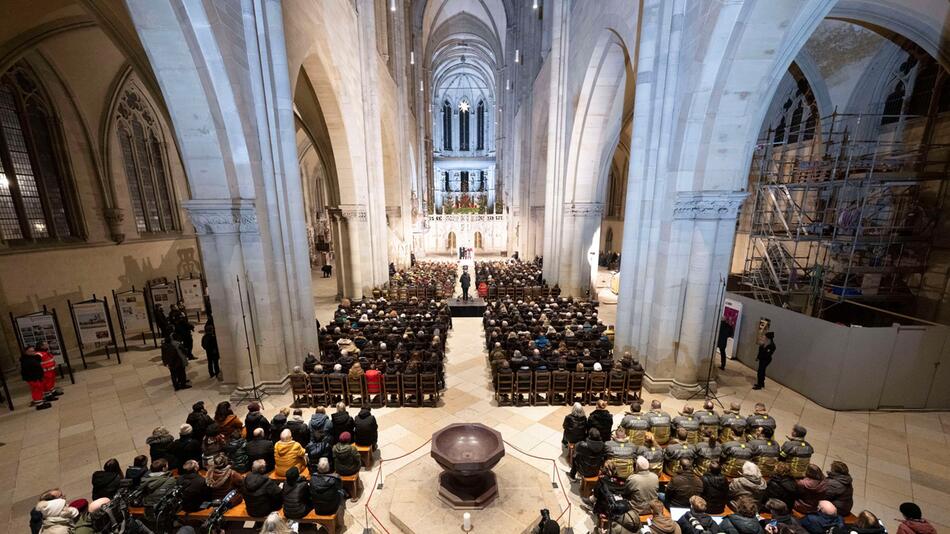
x: 445, y: 182
x: 464, y: 126
x: 796, y: 123
x: 481, y: 125
x: 478, y: 241
x: 446, y: 126
x: 464, y: 187
x: 35, y: 201
x: 450, y: 242
x: 893, y: 105
x: 143, y: 158
x: 779, y: 138
x: 482, y: 182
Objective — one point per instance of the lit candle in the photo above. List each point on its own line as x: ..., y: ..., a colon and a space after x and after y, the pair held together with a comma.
x: 466, y: 521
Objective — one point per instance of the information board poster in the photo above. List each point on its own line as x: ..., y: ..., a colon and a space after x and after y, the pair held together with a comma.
x: 191, y: 293
x: 165, y: 296
x: 133, y: 312
x: 92, y: 320
x: 37, y: 328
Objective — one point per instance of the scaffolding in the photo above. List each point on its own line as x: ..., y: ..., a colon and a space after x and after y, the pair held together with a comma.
x: 845, y: 210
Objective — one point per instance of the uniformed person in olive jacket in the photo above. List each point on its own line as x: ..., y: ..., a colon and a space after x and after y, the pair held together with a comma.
x: 660, y: 423
x: 677, y: 449
x: 760, y: 418
x: 688, y: 422
x: 708, y: 420
x: 732, y: 425
x: 734, y: 454
x: 796, y: 452
x: 765, y: 451
x: 635, y: 424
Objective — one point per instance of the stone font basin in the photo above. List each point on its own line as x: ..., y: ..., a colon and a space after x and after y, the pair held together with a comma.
x: 467, y: 452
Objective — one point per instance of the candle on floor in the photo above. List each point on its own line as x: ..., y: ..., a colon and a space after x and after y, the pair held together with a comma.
x: 466, y: 521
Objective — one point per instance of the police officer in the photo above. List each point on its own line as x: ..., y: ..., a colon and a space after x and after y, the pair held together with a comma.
x: 675, y: 451
x: 796, y: 452
x: 635, y: 424
x: 734, y: 454
x: 732, y: 425
x: 760, y: 418
x: 765, y: 451
x: 660, y: 423
x: 708, y: 420
x: 687, y: 421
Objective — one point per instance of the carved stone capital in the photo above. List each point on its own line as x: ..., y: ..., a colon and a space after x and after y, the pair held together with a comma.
x: 114, y: 218
x: 225, y: 216
x: 708, y: 204
x: 583, y: 209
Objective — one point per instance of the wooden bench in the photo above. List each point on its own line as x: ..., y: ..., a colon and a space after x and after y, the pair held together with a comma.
x: 273, y: 475
x: 849, y: 519
x: 587, y: 485
x: 570, y: 454
x: 238, y: 514
x: 353, y: 486
x: 366, y: 455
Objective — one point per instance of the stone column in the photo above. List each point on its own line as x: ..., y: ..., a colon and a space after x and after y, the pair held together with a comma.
x: 579, y: 246
x: 351, y: 220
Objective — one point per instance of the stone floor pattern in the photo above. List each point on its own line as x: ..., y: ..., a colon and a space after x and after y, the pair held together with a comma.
x: 112, y: 408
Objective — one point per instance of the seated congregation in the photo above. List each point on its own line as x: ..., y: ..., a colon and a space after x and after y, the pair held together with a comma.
x: 424, y: 279
x: 708, y: 464
x: 303, y: 468
x: 512, y: 278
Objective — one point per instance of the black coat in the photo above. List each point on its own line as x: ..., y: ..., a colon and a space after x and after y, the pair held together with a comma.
x: 296, y: 499
x: 186, y: 448
x: 326, y: 493
x: 738, y: 524
x: 366, y: 430
x: 261, y: 449
x: 782, y: 488
x: 105, y: 484
x: 589, y: 456
x: 277, y: 425
x: 603, y: 421
x: 839, y: 490
x: 194, y: 492
x: 134, y: 475
x: 261, y: 494
x: 716, y: 493
x: 300, y: 431
x: 342, y: 422
x: 575, y: 429
x: 199, y: 422
x: 688, y: 521
x: 31, y: 367
x: 256, y: 420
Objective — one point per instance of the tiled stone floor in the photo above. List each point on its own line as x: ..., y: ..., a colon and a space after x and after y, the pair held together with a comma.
x: 112, y: 408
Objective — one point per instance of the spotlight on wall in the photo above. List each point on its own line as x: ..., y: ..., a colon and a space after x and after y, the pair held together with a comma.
x: 507, y: 85
x: 422, y: 85
x: 392, y: 5
x: 517, y: 56
x: 412, y: 58
x: 534, y: 5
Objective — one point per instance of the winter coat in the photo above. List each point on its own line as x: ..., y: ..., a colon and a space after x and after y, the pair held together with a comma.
x: 296, y: 498
x: 316, y: 450
x: 664, y: 525
x: 688, y: 523
x: 326, y: 493
x: 58, y: 518
x: 84, y: 524
x: 342, y: 422
x: 818, y: 523
x: 602, y: 421
x: 299, y: 430
x: 194, y: 492
x: 575, y: 429
x: 134, y: 475
x: 222, y: 480
x: 589, y: 456
x: 681, y: 488
x: 236, y: 449
x: 809, y: 492
x: 916, y: 526
x: 346, y: 459
x: 740, y: 524
x: 255, y: 420
x: 641, y: 489
x: 320, y: 427
x: 366, y: 430
x: 751, y: 485
x: 31, y: 367
x: 186, y: 448
x: 161, y: 447
x: 229, y: 425
x: 261, y: 495
x: 261, y: 449
x: 288, y: 454
x: 105, y: 484
x: 277, y: 425
x: 155, y: 486
x: 199, y: 422
x: 782, y: 488
x: 716, y: 493
x: 373, y: 381
x: 840, y: 492
x: 852, y: 529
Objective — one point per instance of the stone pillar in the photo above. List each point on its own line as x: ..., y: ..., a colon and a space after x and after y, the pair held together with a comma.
x: 351, y: 221
x: 579, y: 247
x: 559, y: 58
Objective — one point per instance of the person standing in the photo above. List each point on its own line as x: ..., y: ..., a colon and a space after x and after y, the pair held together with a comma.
x: 49, y: 372
x: 726, y: 331
x: 209, y: 342
x: 175, y: 360
x: 766, y: 350
x: 31, y: 370
x: 466, y: 281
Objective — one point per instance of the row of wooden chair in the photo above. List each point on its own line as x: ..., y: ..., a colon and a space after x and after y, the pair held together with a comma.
x: 522, y: 293
x: 395, y: 389
x: 434, y: 292
x: 565, y: 387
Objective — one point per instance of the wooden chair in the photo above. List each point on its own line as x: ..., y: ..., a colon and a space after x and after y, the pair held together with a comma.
x: 355, y: 391
x: 597, y: 385
x: 392, y: 390
x: 336, y: 388
x: 318, y: 389
x: 300, y: 389
x: 579, y: 391
x: 634, y: 386
x: 524, y: 390
x: 410, y: 390
x: 587, y: 485
x: 429, y: 389
x: 560, y: 387
x: 542, y: 387
x: 617, y: 388
x: 505, y: 388
x: 367, y: 455
x: 353, y: 486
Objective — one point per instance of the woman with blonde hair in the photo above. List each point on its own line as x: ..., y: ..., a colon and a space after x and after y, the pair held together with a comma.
x: 274, y: 524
